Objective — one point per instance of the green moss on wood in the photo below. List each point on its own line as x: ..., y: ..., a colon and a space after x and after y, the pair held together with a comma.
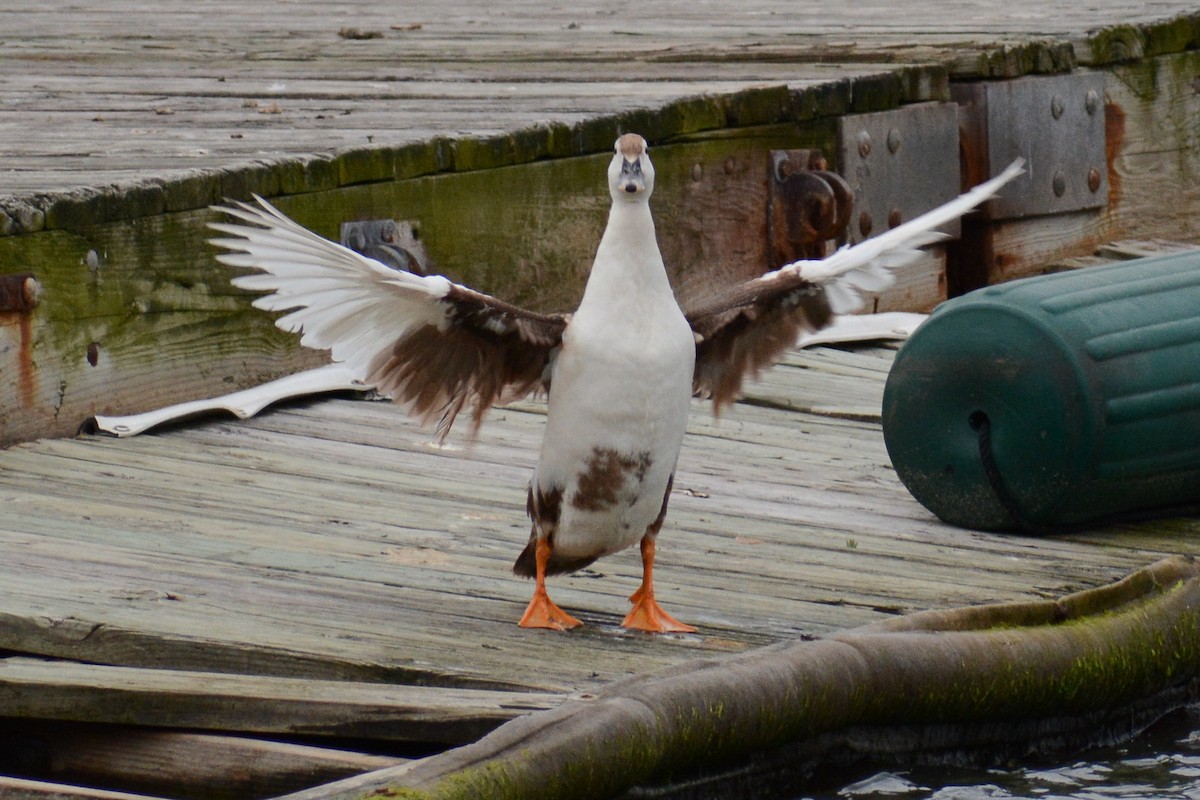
x: 478, y: 153
x: 1116, y: 44
x: 922, y: 83
x: 1124, y: 43
x: 305, y: 175
x: 1013, y: 61
x: 876, y: 93
x: 79, y: 210
x: 679, y: 723
x: 365, y: 165
x: 21, y: 217
x: 188, y: 192
x: 1173, y: 36
x: 759, y: 106
x: 830, y: 99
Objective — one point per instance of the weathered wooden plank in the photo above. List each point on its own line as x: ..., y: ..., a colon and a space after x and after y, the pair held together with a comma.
x: 172, y: 763
x: 22, y: 789
x: 329, y: 540
x: 967, y: 680
x: 189, y: 64
x: 61, y: 690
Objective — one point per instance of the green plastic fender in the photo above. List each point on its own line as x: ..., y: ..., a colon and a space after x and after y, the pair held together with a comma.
x: 1053, y: 400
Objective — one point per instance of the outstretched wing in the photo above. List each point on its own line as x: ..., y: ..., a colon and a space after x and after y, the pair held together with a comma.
x: 746, y: 330
x: 424, y: 341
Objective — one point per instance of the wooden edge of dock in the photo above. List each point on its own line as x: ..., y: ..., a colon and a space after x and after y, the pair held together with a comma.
x: 32, y: 688
x: 1118, y: 655
x: 147, y: 762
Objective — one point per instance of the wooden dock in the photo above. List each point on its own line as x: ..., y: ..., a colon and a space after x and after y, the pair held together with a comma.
x: 120, y: 128
x: 322, y: 571
x: 321, y: 578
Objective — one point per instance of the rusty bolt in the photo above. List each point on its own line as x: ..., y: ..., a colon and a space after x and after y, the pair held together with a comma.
x: 1091, y: 101
x: 865, y: 224
x: 19, y: 292
x: 1057, y: 106
x: 895, y: 218
x: 32, y: 292
x: 730, y: 165
x: 1094, y: 179
x: 893, y: 140
x: 93, y: 353
x: 864, y: 144
x: 1060, y: 184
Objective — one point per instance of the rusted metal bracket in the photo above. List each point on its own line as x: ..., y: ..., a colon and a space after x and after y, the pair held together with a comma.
x: 19, y: 292
x: 1056, y: 123
x: 392, y: 242
x: 899, y: 164
x: 807, y: 206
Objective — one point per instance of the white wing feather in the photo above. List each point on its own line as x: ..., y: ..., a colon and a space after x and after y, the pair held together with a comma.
x: 338, y: 299
x: 868, y: 265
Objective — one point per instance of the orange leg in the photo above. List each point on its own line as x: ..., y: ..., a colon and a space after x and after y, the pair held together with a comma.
x: 647, y: 614
x: 542, y: 613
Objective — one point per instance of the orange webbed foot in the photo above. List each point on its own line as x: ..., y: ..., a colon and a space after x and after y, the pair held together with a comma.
x: 648, y: 615
x: 543, y: 613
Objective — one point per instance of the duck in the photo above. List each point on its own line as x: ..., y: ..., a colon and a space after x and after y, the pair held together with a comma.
x: 619, y: 373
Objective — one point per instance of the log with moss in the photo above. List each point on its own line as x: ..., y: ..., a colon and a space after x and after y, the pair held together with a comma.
x: 999, y: 680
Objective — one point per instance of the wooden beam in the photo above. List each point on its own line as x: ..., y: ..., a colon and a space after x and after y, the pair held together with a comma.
x: 62, y: 690
x: 172, y: 763
x: 21, y: 789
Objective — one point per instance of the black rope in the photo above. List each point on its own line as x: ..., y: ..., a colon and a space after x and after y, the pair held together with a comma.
x: 983, y: 426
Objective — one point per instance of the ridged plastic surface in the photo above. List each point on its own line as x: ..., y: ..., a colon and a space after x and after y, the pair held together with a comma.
x: 1086, y: 385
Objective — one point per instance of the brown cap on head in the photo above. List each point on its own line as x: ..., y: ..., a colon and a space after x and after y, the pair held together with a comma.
x: 631, y: 146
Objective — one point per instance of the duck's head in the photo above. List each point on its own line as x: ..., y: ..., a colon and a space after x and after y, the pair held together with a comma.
x: 630, y: 175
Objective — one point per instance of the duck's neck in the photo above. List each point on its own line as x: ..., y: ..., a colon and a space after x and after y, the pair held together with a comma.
x: 628, y: 263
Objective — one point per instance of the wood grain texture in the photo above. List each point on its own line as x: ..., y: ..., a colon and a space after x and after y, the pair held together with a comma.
x: 175, y: 764
x: 183, y: 699
x: 22, y: 789
x: 96, y: 94
x: 330, y: 540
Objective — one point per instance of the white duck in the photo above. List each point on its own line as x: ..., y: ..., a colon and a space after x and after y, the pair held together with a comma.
x: 620, y: 371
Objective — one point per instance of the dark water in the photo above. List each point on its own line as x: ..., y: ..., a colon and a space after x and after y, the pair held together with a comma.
x: 1161, y: 764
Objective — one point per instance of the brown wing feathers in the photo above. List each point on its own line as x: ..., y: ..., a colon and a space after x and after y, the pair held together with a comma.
x: 454, y: 347
x: 745, y: 333
x: 488, y: 352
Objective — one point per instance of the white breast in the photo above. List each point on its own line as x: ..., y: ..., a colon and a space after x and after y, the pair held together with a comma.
x: 619, y: 396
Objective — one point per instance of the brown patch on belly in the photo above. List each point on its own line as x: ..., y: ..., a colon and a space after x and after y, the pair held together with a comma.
x: 607, y: 474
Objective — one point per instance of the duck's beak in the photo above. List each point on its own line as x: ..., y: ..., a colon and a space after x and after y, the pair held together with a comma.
x: 631, y: 180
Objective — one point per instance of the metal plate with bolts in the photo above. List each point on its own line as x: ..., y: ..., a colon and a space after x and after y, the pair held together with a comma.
x: 1056, y: 123
x: 900, y: 164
